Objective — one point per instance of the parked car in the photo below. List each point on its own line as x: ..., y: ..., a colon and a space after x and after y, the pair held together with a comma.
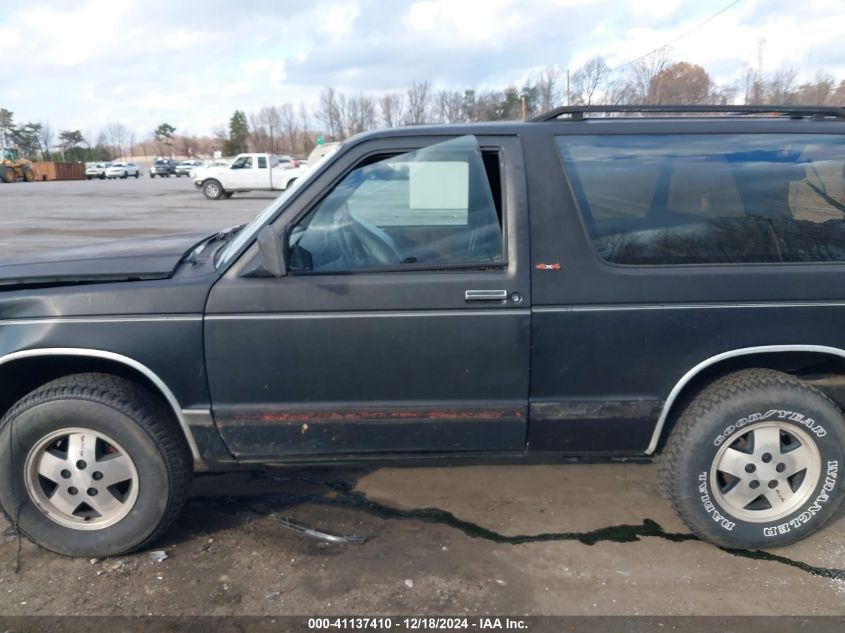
x: 208, y: 167
x: 184, y: 168
x: 620, y: 288
x: 122, y: 170
x: 95, y: 170
x: 287, y: 162
x: 248, y: 172
x: 163, y: 167
x: 321, y: 150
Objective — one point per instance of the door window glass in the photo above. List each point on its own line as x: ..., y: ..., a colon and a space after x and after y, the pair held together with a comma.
x: 430, y: 208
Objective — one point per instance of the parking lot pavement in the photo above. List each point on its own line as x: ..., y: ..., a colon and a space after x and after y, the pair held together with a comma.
x: 34, y: 216
x: 552, y: 539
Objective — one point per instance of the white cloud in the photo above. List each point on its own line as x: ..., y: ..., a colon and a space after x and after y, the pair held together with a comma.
x: 253, y: 66
x: 72, y: 37
x: 340, y: 19
x: 265, y: 68
x: 653, y: 10
x: 9, y: 38
x: 194, y: 62
x: 235, y: 89
x: 473, y: 21
x: 183, y: 39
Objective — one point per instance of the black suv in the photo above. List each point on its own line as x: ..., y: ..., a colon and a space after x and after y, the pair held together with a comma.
x: 163, y: 167
x: 664, y: 283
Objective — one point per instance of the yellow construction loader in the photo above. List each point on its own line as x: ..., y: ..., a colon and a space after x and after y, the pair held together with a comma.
x: 12, y: 167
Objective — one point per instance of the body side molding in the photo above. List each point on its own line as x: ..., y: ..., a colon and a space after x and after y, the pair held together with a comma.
x: 745, y: 351
x: 129, y: 362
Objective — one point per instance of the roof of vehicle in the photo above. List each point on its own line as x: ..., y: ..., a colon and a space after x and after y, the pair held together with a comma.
x: 578, y: 113
x: 641, y: 119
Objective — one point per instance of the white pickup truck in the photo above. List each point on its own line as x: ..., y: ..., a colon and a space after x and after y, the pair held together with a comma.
x: 248, y: 172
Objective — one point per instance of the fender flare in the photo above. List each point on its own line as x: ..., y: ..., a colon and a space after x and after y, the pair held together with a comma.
x: 744, y: 351
x: 159, y: 384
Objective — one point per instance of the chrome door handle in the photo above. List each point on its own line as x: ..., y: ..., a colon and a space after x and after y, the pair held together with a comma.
x: 486, y: 295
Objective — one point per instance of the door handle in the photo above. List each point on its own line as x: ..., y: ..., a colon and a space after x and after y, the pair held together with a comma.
x: 486, y: 295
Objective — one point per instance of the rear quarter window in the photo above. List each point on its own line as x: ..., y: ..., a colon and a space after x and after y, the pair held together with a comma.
x: 710, y: 199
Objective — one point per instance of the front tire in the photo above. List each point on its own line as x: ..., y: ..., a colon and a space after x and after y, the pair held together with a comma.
x: 754, y: 459
x: 212, y: 189
x: 92, y: 466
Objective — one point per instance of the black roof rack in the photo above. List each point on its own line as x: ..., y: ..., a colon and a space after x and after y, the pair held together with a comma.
x: 577, y: 113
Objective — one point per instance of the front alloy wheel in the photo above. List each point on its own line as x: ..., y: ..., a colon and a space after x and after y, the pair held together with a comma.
x: 81, y: 479
x: 93, y: 465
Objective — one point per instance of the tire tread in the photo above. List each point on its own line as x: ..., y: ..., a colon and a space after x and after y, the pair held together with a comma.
x: 141, y: 405
x: 710, y: 396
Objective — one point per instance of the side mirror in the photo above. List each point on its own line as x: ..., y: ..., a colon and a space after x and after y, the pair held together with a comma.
x: 271, y: 253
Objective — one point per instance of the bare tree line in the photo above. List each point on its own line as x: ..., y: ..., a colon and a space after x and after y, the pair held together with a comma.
x: 289, y: 128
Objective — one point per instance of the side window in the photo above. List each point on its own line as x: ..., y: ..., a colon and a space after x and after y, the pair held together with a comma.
x: 430, y: 208
x: 707, y: 199
x: 244, y: 162
x: 262, y: 162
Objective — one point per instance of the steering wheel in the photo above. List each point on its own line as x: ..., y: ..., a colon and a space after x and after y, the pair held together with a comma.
x: 364, y: 245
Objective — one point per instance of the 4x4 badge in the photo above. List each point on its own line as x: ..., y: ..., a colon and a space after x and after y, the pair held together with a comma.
x: 555, y: 266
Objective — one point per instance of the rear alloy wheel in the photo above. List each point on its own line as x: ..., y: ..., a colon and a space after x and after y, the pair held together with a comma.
x: 93, y: 466
x: 212, y: 190
x: 754, y: 460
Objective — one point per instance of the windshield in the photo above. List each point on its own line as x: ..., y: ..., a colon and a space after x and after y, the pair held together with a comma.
x: 249, y: 231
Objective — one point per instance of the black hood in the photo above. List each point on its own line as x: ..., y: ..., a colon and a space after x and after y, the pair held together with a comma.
x: 123, y: 260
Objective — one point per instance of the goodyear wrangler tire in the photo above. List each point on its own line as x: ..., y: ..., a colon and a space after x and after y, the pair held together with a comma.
x: 755, y: 460
x: 91, y: 466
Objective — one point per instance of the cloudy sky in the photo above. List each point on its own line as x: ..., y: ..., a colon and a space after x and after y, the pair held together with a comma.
x: 85, y: 63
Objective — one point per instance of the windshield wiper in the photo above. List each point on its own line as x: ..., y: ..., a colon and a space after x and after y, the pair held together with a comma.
x: 221, y: 236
